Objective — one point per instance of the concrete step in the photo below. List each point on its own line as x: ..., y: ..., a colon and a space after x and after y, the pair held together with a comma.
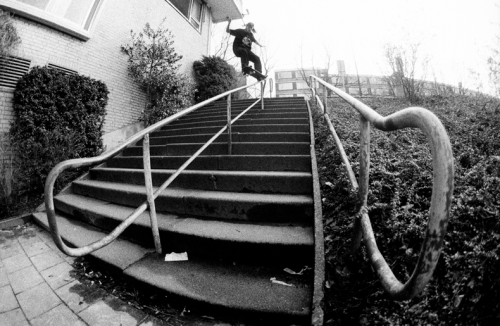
x: 275, y: 148
x: 220, y: 287
x: 222, y: 115
x: 236, y: 137
x: 232, y: 181
x: 243, y: 291
x: 242, y: 121
x: 78, y: 234
x: 220, y: 162
x: 269, y: 128
x: 288, y: 245
x: 268, y: 103
x: 270, y: 208
x: 222, y: 110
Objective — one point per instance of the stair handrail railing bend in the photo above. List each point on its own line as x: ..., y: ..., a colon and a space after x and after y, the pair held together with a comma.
x: 92, y: 161
x: 442, y: 187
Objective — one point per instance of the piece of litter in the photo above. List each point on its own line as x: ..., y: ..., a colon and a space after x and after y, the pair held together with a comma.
x: 176, y: 256
x: 289, y: 271
x: 274, y: 280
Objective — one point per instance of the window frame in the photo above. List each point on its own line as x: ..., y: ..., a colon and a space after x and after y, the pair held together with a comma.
x: 191, y: 17
x: 82, y: 32
x: 188, y: 19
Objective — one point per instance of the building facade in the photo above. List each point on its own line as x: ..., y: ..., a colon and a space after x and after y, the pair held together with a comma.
x: 85, y: 36
x: 294, y: 82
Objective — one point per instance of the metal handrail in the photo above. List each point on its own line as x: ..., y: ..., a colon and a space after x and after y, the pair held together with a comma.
x: 442, y: 190
x: 92, y: 161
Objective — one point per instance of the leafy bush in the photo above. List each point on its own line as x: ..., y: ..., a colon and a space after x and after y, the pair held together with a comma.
x: 58, y: 116
x: 8, y: 34
x: 153, y: 64
x: 465, y: 289
x: 214, y: 76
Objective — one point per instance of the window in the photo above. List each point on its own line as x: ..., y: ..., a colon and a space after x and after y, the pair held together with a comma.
x: 191, y: 9
x: 74, y: 17
x: 285, y: 75
x: 302, y: 85
x: 284, y: 87
x: 79, y: 12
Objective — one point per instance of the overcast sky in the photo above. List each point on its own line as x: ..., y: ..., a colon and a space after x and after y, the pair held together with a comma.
x: 457, y: 35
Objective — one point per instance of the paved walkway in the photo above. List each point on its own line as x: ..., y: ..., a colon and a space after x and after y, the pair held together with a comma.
x: 36, y: 287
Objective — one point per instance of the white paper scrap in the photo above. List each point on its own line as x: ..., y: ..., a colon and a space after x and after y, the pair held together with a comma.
x: 176, y: 256
x: 274, y: 280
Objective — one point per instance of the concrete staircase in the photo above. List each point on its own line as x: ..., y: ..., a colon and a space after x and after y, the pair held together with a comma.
x: 242, y: 218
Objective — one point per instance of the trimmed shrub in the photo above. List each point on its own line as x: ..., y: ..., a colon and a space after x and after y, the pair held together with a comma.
x: 58, y: 116
x: 214, y: 76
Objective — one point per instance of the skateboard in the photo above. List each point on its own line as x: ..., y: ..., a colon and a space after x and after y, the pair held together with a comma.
x: 254, y: 73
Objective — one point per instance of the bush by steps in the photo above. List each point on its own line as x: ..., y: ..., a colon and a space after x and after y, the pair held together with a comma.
x: 465, y: 288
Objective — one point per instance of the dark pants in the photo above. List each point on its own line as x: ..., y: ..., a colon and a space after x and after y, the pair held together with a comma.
x: 246, y: 56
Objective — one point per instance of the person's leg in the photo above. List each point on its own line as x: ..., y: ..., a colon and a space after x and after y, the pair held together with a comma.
x: 256, y: 60
x: 243, y: 55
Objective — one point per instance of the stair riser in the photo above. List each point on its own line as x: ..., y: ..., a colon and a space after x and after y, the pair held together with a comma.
x: 235, y: 129
x: 236, y: 137
x: 267, y: 105
x: 222, y: 208
x: 236, y: 111
x: 221, y: 163
x: 222, y: 149
x: 223, y: 116
x: 241, y: 121
x: 221, y: 182
x: 275, y: 101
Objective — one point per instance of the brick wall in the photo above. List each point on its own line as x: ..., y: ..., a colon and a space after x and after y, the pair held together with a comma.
x: 101, y: 58
x: 6, y: 114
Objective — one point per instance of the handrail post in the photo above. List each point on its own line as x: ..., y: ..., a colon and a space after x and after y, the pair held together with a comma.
x: 149, y: 192
x: 229, y: 132
x: 313, y: 90
x: 364, y: 176
x: 262, y: 95
x: 325, y: 98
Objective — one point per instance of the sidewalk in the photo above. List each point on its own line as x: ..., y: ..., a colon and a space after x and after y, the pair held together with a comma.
x: 36, y: 287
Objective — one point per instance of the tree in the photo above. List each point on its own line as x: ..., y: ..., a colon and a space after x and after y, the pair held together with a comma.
x: 494, y: 68
x: 405, y: 62
x: 319, y: 72
x: 9, y: 39
x: 153, y: 63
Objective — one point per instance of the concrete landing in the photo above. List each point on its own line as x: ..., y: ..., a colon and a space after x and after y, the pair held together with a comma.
x: 39, y: 286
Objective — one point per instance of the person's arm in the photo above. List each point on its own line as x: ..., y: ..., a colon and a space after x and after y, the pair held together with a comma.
x: 259, y: 44
x: 228, y: 23
x: 255, y: 41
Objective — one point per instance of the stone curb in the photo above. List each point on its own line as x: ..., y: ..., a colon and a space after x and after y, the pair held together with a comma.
x: 15, y: 221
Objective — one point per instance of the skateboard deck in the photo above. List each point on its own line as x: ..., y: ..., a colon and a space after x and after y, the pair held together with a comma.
x: 254, y: 73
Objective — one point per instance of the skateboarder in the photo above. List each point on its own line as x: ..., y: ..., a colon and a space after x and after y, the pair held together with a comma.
x: 242, y: 47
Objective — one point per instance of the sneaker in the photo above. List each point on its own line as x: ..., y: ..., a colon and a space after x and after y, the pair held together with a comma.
x: 247, y: 70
